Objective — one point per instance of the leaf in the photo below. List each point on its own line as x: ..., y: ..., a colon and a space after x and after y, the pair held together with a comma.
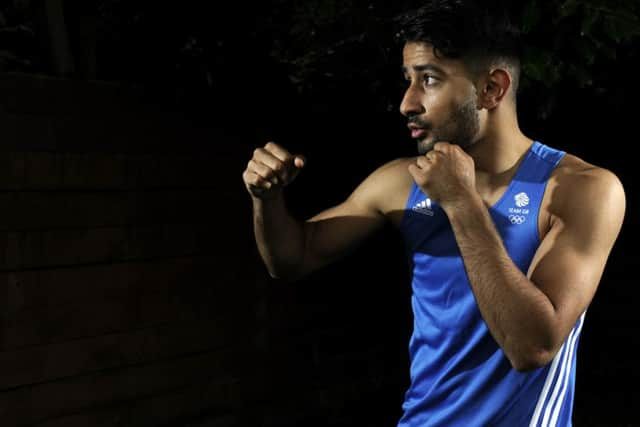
x: 581, y: 75
x: 568, y: 8
x: 589, y: 18
x: 612, y: 30
x: 530, y: 16
x: 540, y: 65
x: 623, y: 26
x: 587, y: 48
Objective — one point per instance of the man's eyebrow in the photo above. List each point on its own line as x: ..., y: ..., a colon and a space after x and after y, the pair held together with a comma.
x: 424, y: 67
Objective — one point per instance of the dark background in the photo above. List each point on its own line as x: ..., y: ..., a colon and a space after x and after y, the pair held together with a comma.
x: 323, y: 79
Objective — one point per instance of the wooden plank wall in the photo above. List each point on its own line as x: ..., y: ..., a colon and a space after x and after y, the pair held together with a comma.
x: 118, y: 303
x: 130, y: 289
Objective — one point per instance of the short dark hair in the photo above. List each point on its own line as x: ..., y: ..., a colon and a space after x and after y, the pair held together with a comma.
x: 480, y: 33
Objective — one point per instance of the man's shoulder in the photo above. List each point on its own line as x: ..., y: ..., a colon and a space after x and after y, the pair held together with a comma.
x: 576, y: 179
x: 388, y: 186
x: 398, y: 165
x: 393, y: 174
x: 573, y: 168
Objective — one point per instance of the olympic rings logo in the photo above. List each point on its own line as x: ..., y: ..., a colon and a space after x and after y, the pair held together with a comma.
x: 517, y: 219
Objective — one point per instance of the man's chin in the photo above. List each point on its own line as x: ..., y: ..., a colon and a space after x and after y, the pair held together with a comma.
x: 425, y: 145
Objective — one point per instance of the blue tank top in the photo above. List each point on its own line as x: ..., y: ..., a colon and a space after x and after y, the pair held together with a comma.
x: 459, y: 375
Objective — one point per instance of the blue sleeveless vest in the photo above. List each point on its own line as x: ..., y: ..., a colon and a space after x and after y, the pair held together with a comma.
x: 459, y: 375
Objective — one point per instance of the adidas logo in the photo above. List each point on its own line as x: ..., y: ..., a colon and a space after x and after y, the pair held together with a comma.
x: 423, y: 207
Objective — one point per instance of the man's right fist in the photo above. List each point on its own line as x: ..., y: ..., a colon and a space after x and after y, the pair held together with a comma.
x: 270, y: 170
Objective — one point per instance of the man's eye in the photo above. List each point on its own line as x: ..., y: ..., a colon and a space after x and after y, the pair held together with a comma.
x: 429, y: 80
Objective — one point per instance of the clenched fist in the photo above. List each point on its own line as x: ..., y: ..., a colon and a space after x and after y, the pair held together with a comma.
x: 446, y: 174
x: 270, y: 170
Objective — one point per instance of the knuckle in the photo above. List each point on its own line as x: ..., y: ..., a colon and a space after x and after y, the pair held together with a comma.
x: 261, y: 173
x: 443, y: 147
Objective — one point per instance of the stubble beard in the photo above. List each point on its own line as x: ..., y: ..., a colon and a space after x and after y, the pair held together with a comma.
x: 461, y: 129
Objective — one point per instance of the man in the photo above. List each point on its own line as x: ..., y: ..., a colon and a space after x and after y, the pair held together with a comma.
x: 508, y: 238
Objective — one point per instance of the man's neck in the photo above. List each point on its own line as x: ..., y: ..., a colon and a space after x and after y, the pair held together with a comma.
x: 502, y: 145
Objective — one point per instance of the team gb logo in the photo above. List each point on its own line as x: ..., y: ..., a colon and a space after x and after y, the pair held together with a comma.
x: 522, y: 200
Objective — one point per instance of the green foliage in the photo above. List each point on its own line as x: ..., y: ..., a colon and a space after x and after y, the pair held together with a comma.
x: 576, y: 38
x: 324, y: 44
x: 567, y: 43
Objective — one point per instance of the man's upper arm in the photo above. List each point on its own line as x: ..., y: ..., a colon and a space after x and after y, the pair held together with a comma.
x: 587, y: 211
x: 334, y: 232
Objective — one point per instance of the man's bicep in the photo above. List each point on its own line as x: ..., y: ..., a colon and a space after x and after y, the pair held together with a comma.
x: 334, y: 232
x: 571, y: 258
x: 567, y: 275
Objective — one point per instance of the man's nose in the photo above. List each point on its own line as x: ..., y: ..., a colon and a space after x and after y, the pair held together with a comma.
x: 411, y: 105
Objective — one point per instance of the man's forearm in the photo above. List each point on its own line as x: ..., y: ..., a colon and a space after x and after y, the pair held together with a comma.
x: 519, y: 315
x: 279, y: 237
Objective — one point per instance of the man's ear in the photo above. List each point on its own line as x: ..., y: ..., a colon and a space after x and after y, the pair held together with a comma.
x: 493, y: 88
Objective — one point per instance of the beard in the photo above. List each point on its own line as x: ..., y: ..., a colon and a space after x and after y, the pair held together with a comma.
x: 460, y: 128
